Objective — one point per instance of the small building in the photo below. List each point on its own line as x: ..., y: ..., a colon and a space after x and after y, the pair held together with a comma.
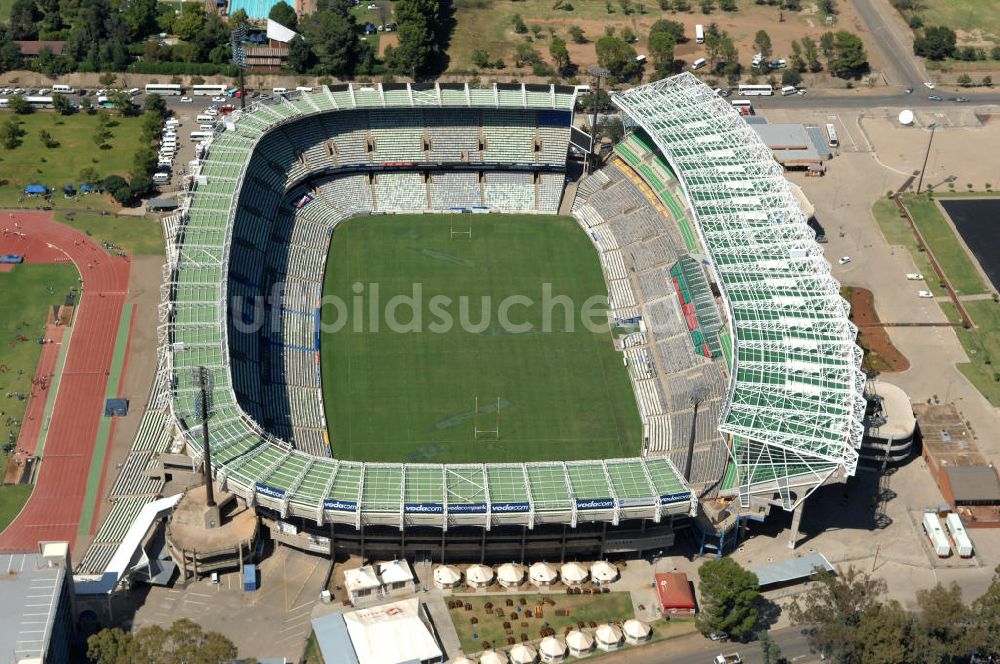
x: 361, y: 583
x: 636, y: 631
x: 396, y: 575
x: 889, y: 424
x: 676, y: 596
x: 273, y: 54
x: 37, y: 612
x: 385, y: 579
x: 791, y: 145
x: 32, y: 49
x: 396, y: 633
x: 580, y: 643
x: 791, y: 572
x: 608, y: 636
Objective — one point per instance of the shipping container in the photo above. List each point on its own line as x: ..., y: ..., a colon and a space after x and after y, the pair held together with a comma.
x: 932, y: 526
x: 957, y: 531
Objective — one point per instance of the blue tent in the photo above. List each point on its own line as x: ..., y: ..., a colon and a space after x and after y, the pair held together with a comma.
x: 84, y: 187
x: 36, y: 189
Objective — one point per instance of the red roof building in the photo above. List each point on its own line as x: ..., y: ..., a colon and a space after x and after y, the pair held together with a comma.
x: 676, y: 596
x: 32, y: 49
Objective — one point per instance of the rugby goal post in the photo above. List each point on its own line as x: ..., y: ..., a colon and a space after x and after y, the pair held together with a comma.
x: 477, y: 431
x: 463, y: 228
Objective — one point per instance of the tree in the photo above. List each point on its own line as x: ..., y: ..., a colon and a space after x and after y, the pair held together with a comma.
x: 618, y: 58
x: 10, y: 134
x: 333, y: 40
x: 154, y: 104
x: 988, y: 81
x: 828, y: 7
x: 46, y: 139
x: 525, y: 54
x: 986, y: 617
x: 190, y: 22
x: 728, y: 5
x: 848, y: 57
x: 122, y: 102
x: 141, y: 16
x: 762, y: 42
x: 729, y: 597
x: 422, y: 30
x: 833, y: 612
x: 883, y: 635
x: 576, y: 34
x: 89, y: 175
x: 20, y: 105
x: 964, y: 80
x: 61, y: 104
x: 811, y: 54
x: 300, y: 56
x: 10, y: 53
x: 791, y: 76
x: 284, y: 14
x: 943, y: 625
x: 770, y: 651
x: 520, y: 27
x: 995, y: 53
x: 674, y: 28
x: 23, y: 15
x: 481, y: 58
x: 184, y: 641
x: 560, y: 56
x: 936, y: 43
x: 661, y: 50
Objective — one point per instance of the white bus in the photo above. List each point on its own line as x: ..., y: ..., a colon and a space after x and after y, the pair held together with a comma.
x: 742, y: 103
x: 63, y: 89
x: 209, y: 90
x: 201, y: 135
x: 747, y: 90
x: 163, y: 89
x: 831, y: 132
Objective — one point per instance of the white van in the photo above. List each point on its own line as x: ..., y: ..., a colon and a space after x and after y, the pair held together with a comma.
x: 279, y: 91
x: 303, y: 88
x: 161, y: 178
x: 206, y: 126
x: 205, y: 117
x: 788, y: 90
x: 134, y: 92
x: 698, y: 64
x: 63, y: 89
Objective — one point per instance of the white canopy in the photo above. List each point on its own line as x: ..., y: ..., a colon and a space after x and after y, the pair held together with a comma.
x: 462, y: 660
x: 579, y: 641
x: 603, y: 571
x: 479, y: 575
x: 447, y: 575
x: 510, y: 574
x: 542, y: 574
x: 608, y: 634
x: 574, y: 573
x: 391, y: 633
x: 492, y: 657
x: 552, y: 646
x: 636, y: 629
x: 523, y: 654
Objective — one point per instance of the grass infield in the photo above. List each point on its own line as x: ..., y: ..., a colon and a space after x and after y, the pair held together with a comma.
x: 410, y: 397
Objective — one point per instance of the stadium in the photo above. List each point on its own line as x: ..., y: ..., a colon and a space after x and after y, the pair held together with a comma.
x: 724, y: 322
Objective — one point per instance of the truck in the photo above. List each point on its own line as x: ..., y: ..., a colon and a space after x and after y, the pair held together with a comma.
x: 957, y: 531
x: 932, y: 527
x: 733, y: 658
x: 699, y: 33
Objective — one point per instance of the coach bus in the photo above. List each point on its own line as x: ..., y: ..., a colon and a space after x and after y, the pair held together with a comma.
x: 163, y: 89
x: 209, y: 90
x: 747, y: 90
x: 831, y: 132
x: 201, y: 135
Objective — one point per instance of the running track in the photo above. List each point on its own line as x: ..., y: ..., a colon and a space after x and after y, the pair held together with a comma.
x: 53, y: 511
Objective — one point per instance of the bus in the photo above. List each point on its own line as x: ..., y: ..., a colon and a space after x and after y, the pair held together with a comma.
x: 747, y: 90
x: 201, y: 135
x: 831, y: 131
x: 39, y: 102
x: 209, y: 90
x: 163, y: 89
x: 699, y: 33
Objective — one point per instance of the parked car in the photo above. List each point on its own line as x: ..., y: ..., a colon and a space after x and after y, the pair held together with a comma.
x: 935, y: 97
x: 914, y: 276
x: 962, y: 100
x: 909, y: 90
x: 929, y: 85
x: 186, y: 100
x: 844, y: 260
x: 718, y: 636
x: 219, y: 100
x: 925, y: 293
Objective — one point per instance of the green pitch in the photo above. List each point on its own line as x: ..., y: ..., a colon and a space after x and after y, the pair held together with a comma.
x: 410, y: 396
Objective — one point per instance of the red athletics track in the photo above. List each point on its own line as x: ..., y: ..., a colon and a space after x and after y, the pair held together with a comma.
x: 53, y: 510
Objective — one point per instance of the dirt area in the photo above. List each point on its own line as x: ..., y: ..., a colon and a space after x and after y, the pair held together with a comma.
x: 487, y: 25
x: 387, y: 39
x: 880, y: 354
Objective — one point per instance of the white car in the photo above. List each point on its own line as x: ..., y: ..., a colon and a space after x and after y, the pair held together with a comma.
x: 186, y: 100
x: 914, y: 276
x: 844, y: 260
x: 219, y: 100
x: 925, y: 293
x: 929, y: 85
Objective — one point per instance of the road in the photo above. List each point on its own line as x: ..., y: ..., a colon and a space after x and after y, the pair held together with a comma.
x: 897, y: 50
x: 699, y: 650
x: 860, y: 101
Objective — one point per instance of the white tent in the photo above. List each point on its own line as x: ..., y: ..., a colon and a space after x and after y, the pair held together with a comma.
x: 542, y: 574
x: 492, y: 657
x: 462, y: 660
x: 573, y: 574
x: 391, y: 633
x: 603, y: 571
x: 395, y: 571
x: 447, y: 576
x: 510, y: 575
x: 609, y: 637
x: 580, y: 643
x: 522, y: 653
x: 636, y: 631
x: 478, y: 576
x: 552, y: 649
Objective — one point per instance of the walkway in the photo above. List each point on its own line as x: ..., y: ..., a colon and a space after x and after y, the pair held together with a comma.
x: 54, y: 510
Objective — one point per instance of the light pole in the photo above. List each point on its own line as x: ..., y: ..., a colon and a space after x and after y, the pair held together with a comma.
x: 236, y: 39
x: 203, y: 402
x: 598, y: 73
x: 932, y: 126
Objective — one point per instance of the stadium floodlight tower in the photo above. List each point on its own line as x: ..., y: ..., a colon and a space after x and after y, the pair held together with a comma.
x: 203, y: 405
x: 598, y: 73
x: 237, y: 40
x: 794, y: 409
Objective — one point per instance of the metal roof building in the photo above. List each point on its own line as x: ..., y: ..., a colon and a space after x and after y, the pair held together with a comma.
x: 36, y: 614
x: 794, y: 409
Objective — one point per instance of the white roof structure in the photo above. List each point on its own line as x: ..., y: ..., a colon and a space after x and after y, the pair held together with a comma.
x: 479, y: 575
x: 542, y: 574
x: 391, y: 633
x: 362, y: 578
x: 574, y: 573
x: 636, y: 629
x: 794, y: 409
x: 278, y: 32
x: 522, y: 653
x: 608, y: 635
x: 510, y: 574
x: 395, y: 571
x: 552, y: 647
x: 492, y: 657
x: 579, y: 642
x: 446, y: 576
x: 462, y: 660
x: 603, y: 571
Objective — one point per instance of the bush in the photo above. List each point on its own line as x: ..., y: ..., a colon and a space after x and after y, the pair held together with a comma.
x: 964, y: 80
x: 576, y: 34
x: 916, y: 22
x: 791, y: 77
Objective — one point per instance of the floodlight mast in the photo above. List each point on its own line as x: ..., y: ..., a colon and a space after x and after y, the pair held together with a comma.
x: 598, y: 73
x: 236, y: 41
x: 204, y: 381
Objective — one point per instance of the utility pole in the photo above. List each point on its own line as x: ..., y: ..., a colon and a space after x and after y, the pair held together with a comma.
x: 927, y: 154
x: 599, y: 73
x: 204, y: 380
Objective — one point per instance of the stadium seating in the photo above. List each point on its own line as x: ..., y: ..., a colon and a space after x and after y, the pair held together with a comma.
x: 509, y: 192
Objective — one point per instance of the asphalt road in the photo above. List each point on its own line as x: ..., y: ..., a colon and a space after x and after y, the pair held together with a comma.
x: 857, y: 100
x: 699, y: 650
x: 897, y: 52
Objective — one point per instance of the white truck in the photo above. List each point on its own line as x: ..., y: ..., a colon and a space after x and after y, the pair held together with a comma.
x: 733, y: 658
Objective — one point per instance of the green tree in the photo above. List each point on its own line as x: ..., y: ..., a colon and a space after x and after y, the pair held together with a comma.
x: 576, y: 34
x: 833, y: 612
x: 481, y: 58
x: 61, y: 104
x: 995, y: 53
x: 986, y: 618
x: 111, y: 646
x: 333, y: 40
x: 284, y: 14
x: 184, y: 641
x: 23, y: 15
x: 848, y: 56
x: 20, y: 105
x: 791, y: 76
x: 190, y: 22
x: 674, y: 28
x: 770, y: 651
x: 811, y: 58
x: 420, y: 33
x: 937, y: 42
x: 46, y: 139
x: 943, y: 625
x: 121, y: 101
x: 10, y: 134
x: 618, y: 58
x: 796, y: 60
x: 90, y: 175
x: 300, y: 56
x: 728, y: 5
x: 883, y: 635
x: 154, y: 104
x: 964, y: 80
x: 525, y: 54
x: 662, y: 41
x: 988, y: 81
x: 10, y: 53
x: 762, y: 42
x: 729, y: 598
x: 560, y: 56
x: 141, y: 16
x: 520, y: 27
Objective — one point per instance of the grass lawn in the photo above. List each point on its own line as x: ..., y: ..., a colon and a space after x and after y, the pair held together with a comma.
x: 897, y: 232
x: 982, y: 344
x: 973, y: 20
x: 410, y: 397
x: 12, y: 499
x: 137, y: 236
x: 33, y: 163
x: 951, y: 254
